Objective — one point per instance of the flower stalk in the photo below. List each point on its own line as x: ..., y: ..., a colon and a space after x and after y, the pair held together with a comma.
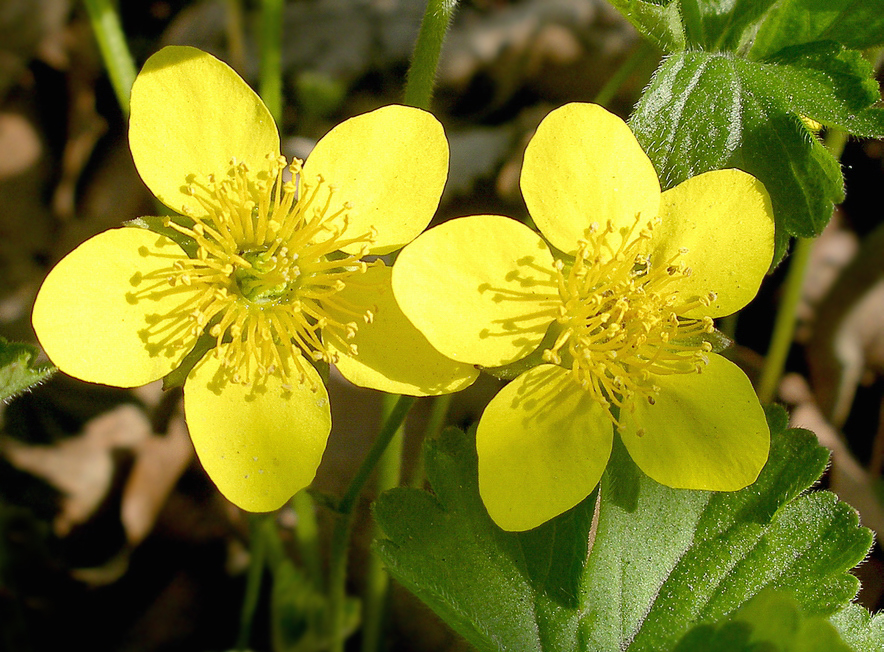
x: 787, y: 315
x: 254, y: 575
x: 389, y: 472
x: 271, y: 56
x: 421, y: 76
x: 341, y: 533
x: 113, y: 47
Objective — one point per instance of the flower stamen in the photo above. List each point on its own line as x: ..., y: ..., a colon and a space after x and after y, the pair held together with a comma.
x: 622, y: 321
x: 268, y: 265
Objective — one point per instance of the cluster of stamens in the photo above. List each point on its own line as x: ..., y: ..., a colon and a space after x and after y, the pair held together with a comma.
x: 622, y: 318
x: 267, y: 272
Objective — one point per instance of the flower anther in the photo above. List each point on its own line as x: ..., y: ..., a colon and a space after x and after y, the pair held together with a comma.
x: 622, y: 319
x: 266, y: 273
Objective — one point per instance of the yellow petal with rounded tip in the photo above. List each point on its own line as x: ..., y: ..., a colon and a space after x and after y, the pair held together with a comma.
x: 584, y: 166
x: 725, y: 221
x: 390, y: 165
x: 543, y: 444
x: 481, y: 289
x: 98, y: 313
x: 259, y: 445
x: 704, y: 431
x: 191, y: 114
x: 392, y: 355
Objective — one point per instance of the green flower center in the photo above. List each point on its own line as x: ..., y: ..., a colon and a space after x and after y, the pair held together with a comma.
x: 269, y: 279
x: 266, y: 278
x: 622, y: 320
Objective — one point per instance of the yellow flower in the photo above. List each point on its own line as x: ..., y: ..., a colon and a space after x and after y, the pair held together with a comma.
x: 262, y: 268
x: 616, y: 313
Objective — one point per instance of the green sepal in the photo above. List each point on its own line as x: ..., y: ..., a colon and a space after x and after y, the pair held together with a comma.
x: 160, y: 225
x: 533, y: 359
x: 178, y: 376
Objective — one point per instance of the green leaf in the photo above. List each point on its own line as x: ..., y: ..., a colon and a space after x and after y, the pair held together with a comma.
x: 747, y: 72
x: 804, y: 180
x: 500, y: 590
x: 756, y: 28
x: 18, y: 369
x: 869, y: 123
x: 663, y: 560
x: 706, y: 111
x: 724, y: 26
x: 770, y: 622
x: 728, y: 548
x: 860, y: 629
x: 823, y: 81
x: 857, y: 24
x: 689, y: 119
x: 659, y: 21
x: 299, y: 612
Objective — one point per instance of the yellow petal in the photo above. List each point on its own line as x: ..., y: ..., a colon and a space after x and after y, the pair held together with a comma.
x: 96, y: 313
x: 392, y: 355
x: 191, y: 114
x: 481, y: 289
x: 725, y: 221
x: 584, y: 166
x: 543, y: 444
x: 390, y: 165
x: 704, y: 431
x: 259, y: 445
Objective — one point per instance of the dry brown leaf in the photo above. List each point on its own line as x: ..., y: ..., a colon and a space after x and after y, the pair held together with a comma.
x: 159, y: 462
x: 20, y: 146
x: 848, y: 478
x: 81, y: 467
x: 848, y: 337
x: 560, y: 49
x: 832, y: 251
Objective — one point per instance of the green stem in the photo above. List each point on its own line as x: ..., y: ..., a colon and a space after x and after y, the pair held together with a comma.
x: 236, y: 42
x: 341, y: 533
x: 784, y: 324
x: 307, y: 533
x: 271, y: 56
x: 422, y: 73
x: 640, y: 52
x: 438, y: 413
x: 113, y: 47
x: 253, y: 580
x: 274, y: 550
x: 389, y: 475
